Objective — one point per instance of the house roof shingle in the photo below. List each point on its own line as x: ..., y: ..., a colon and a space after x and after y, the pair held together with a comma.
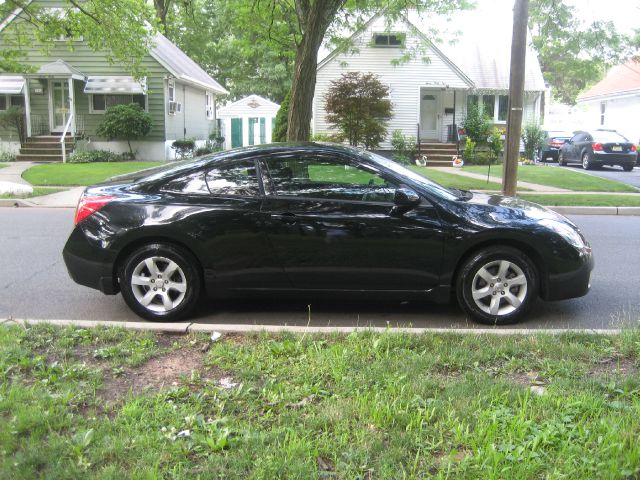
x: 621, y: 79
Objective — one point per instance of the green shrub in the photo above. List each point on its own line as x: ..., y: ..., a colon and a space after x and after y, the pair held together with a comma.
x: 477, y: 125
x: 125, y: 122
x: 327, y: 137
x: 533, y: 139
x: 184, y: 148
x: 282, y: 121
x: 495, y: 143
x: 469, y: 149
x: 14, y: 118
x: 404, y: 147
x: 483, y: 157
x: 95, y: 156
x: 7, y: 156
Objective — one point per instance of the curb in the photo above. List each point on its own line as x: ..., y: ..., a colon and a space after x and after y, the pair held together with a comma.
x: 242, y: 328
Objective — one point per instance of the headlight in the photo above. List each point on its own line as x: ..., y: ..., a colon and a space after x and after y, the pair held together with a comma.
x: 565, y: 231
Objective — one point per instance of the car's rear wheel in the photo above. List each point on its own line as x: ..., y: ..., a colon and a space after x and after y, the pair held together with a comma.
x: 627, y: 168
x: 561, y: 160
x: 160, y: 282
x: 587, y: 163
x: 497, y: 285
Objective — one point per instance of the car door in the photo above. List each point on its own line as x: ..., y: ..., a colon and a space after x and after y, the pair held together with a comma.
x: 224, y: 221
x: 578, y: 145
x: 331, y: 222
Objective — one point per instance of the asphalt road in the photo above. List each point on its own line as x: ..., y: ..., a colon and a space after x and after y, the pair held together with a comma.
x: 612, y: 173
x: 35, y: 285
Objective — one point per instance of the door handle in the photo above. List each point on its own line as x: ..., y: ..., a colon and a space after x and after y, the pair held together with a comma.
x: 285, y: 217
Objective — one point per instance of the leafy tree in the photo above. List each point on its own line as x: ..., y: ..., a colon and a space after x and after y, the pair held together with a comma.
x: 477, y: 125
x: 495, y: 143
x: 125, y: 122
x: 574, y: 55
x: 280, y: 129
x: 358, y: 105
x: 123, y: 29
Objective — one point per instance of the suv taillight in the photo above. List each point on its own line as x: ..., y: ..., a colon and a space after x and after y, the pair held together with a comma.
x: 634, y: 148
x: 597, y: 147
x: 90, y: 204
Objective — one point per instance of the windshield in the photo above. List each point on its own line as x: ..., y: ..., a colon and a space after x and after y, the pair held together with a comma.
x: 433, y: 187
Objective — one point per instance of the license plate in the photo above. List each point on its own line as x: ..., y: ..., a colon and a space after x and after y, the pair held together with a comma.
x: 616, y: 149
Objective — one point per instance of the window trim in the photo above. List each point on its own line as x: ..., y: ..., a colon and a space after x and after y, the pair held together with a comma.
x: 102, y: 112
x: 171, y: 89
x: 208, y: 106
x: 496, y: 105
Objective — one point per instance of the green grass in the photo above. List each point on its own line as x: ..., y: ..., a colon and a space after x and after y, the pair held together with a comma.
x: 595, y: 200
x: 561, y: 178
x: 370, y: 406
x: 2, y: 165
x: 73, y: 174
x: 37, y: 191
x: 457, y: 181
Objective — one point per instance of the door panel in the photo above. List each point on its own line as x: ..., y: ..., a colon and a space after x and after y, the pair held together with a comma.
x: 337, y: 245
x: 429, y: 116
x: 236, y: 132
x: 61, y: 107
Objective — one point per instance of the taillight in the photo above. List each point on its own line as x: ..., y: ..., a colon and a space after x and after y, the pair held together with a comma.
x: 90, y: 204
x: 597, y: 147
x: 634, y: 148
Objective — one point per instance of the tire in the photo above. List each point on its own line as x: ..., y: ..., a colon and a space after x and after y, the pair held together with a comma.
x: 476, y: 277
x: 178, y: 291
x: 627, y: 168
x: 561, y: 161
x: 587, y: 164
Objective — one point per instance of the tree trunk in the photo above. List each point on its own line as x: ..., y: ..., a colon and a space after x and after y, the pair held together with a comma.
x: 162, y: 8
x: 314, y: 20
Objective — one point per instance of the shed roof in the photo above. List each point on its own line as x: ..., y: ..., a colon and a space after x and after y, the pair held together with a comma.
x: 620, y: 80
x: 248, y: 104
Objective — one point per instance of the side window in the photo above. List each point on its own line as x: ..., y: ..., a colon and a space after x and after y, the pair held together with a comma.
x: 192, y: 183
x: 577, y: 138
x: 328, y: 178
x: 236, y: 179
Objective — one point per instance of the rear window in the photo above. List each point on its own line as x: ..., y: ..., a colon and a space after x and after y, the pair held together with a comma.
x: 609, y: 137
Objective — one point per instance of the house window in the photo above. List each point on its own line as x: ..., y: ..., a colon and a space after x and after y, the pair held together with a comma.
x: 494, y: 106
x: 99, y: 102
x: 388, y: 39
x: 7, y: 101
x: 603, y: 110
x: 172, y: 90
x: 503, y: 105
x: 208, y: 105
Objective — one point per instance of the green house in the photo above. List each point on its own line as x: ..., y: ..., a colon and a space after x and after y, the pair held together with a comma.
x: 71, y: 86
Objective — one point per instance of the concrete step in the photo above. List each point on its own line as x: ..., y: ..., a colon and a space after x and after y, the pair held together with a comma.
x: 38, y: 158
x: 32, y: 150
x: 50, y: 139
x: 438, y: 163
x: 438, y: 145
x: 440, y: 156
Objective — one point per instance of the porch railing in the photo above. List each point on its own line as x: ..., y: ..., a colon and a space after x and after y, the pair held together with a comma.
x: 63, y: 138
x: 39, y: 125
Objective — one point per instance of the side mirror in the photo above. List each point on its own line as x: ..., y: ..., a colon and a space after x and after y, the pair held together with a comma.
x: 404, y: 200
x: 405, y: 197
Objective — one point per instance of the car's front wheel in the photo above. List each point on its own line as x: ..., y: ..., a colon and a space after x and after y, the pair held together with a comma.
x: 160, y: 282
x: 497, y: 285
x: 627, y: 168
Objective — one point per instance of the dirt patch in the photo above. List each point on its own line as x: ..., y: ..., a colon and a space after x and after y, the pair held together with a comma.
x: 166, y: 371
x: 618, y: 365
x: 527, y: 379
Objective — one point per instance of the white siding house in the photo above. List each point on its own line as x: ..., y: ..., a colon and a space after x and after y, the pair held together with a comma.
x: 431, y: 82
x: 248, y: 121
x: 614, y: 102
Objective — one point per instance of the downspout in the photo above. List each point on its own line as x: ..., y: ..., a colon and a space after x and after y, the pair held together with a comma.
x: 455, y: 127
x: 184, y: 111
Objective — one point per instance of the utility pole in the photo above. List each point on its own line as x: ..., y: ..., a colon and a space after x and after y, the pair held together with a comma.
x: 516, y: 96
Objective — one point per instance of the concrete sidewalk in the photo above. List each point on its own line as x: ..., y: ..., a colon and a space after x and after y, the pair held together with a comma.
x: 13, y: 173
x: 534, y: 187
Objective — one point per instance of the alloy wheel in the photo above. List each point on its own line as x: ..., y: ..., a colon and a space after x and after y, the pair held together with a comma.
x: 158, y: 284
x: 499, y: 287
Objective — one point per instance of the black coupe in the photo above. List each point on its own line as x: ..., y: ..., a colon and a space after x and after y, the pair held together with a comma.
x: 314, y: 219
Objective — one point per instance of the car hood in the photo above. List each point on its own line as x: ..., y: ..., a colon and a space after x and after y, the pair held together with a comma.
x: 502, y: 209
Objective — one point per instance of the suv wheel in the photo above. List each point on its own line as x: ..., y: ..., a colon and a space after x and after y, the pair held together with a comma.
x: 160, y: 282
x: 497, y: 285
x: 561, y: 161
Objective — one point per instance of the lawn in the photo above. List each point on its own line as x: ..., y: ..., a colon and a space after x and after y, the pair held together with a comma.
x: 595, y: 200
x: 2, y: 165
x: 37, y: 191
x: 110, y: 403
x: 73, y: 174
x: 457, y: 181
x: 561, y: 178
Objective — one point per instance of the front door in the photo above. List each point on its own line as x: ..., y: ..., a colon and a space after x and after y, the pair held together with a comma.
x: 429, y: 115
x: 60, y: 105
x: 236, y: 132
x: 331, y: 224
